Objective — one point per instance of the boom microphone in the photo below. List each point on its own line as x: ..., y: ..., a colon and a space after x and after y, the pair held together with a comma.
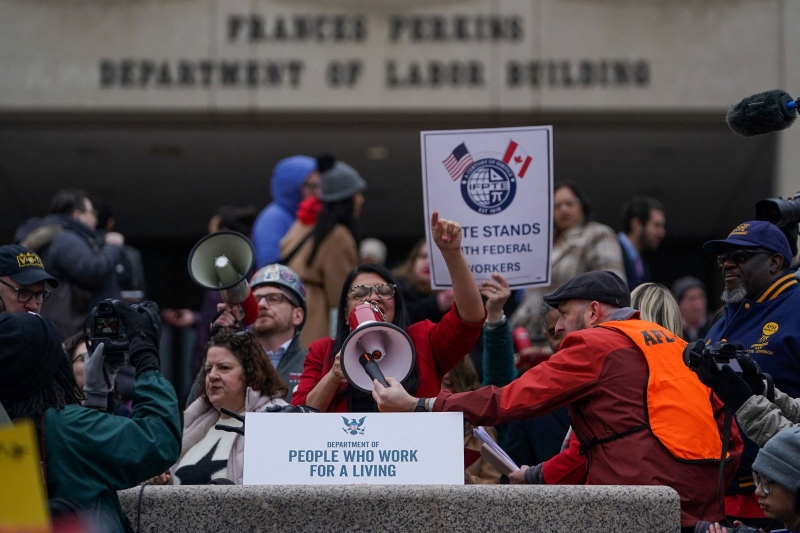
x: 762, y: 113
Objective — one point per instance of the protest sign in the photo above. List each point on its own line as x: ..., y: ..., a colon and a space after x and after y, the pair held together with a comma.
x: 23, y: 501
x: 497, y: 183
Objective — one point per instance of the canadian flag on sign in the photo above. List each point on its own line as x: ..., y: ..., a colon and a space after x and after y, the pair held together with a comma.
x: 517, y: 159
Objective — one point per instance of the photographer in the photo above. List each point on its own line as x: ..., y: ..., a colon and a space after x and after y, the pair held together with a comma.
x: 88, y: 455
x: 760, y: 418
x: 762, y: 296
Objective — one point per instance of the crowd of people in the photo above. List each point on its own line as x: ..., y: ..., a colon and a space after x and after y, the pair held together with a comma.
x: 630, y: 381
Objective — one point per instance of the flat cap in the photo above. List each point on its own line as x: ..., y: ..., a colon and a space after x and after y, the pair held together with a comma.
x: 604, y: 286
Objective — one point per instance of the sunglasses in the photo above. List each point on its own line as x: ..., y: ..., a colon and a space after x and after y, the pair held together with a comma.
x: 24, y: 295
x: 738, y: 256
x: 384, y: 291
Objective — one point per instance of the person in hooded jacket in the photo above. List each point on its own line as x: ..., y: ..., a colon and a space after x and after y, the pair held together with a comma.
x: 293, y: 180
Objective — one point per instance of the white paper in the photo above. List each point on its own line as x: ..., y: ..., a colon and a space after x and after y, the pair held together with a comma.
x: 487, y: 441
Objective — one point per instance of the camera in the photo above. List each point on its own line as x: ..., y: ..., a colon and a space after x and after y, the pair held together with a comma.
x: 779, y: 211
x: 702, y: 527
x: 721, y: 353
x: 105, y: 325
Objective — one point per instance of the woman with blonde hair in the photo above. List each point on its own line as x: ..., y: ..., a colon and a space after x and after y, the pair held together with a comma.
x: 657, y: 304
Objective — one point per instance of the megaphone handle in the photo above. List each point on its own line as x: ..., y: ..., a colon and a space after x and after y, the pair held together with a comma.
x: 372, y: 369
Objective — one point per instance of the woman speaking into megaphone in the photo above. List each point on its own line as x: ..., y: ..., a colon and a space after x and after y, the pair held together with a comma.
x: 439, y: 347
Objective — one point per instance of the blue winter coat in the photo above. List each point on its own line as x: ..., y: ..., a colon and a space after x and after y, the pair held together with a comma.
x: 274, y: 220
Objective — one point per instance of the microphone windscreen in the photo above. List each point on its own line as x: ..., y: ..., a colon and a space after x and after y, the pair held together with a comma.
x: 761, y: 113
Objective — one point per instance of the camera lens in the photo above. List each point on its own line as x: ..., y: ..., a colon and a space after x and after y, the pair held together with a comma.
x: 702, y: 527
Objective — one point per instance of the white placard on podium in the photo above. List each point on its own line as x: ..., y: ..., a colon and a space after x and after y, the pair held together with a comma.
x: 346, y: 448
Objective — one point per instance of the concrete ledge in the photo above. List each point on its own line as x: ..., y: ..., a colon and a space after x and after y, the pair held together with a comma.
x: 411, y: 508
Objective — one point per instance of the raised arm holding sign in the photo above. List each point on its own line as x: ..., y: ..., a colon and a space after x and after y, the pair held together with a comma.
x: 447, y: 236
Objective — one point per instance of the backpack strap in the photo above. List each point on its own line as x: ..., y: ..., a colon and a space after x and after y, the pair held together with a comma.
x: 288, y: 257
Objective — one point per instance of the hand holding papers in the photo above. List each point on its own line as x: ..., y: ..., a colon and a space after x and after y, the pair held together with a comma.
x: 492, y: 452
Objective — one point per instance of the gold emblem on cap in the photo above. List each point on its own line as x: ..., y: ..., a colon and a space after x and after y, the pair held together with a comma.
x: 741, y: 229
x: 29, y: 259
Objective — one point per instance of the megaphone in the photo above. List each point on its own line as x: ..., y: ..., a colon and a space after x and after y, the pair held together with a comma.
x: 220, y: 261
x: 380, y: 347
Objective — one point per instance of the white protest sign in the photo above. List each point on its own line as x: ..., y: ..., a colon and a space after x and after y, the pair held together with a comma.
x: 347, y: 448
x: 496, y: 183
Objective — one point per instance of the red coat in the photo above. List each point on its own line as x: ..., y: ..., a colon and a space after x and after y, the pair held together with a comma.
x: 439, y: 348
x: 602, y: 375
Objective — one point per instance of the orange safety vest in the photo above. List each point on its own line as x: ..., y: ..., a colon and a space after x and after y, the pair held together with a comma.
x: 679, y: 408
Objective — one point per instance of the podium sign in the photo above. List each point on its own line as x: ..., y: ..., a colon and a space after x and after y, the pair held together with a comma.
x: 347, y: 448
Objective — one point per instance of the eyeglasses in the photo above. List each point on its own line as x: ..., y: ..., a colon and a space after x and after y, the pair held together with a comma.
x: 273, y: 298
x: 24, y: 295
x: 758, y: 479
x: 384, y: 291
x: 738, y: 256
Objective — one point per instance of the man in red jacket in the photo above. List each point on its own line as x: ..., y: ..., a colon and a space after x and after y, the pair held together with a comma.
x: 641, y: 416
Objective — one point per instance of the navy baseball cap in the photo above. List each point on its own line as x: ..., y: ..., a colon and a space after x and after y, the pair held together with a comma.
x: 753, y: 234
x: 23, y: 266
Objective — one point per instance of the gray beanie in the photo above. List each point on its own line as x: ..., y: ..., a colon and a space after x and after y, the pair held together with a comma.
x: 340, y: 182
x: 779, y: 459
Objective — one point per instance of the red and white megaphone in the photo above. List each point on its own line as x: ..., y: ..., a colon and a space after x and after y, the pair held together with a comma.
x: 375, y: 349
x: 220, y: 261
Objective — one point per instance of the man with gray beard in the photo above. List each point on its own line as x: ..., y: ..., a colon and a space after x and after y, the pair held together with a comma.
x: 762, y: 299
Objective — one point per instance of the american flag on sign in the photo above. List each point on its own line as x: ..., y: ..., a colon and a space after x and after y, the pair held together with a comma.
x: 458, y: 161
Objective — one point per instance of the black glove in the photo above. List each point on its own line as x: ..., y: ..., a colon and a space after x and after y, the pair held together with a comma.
x: 751, y: 374
x: 693, y: 354
x: 143, y: 325
x: 290, y: 409
x: 726, y: 383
